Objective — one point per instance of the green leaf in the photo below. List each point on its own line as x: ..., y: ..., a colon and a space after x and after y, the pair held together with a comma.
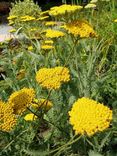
x: 94, y: 153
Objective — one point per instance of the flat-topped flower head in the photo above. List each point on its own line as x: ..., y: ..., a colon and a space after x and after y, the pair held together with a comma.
x: 7, y: 118
x: 27, y: 18
x: 48, y: 42
x: 21, y: 99
x: 42, y: 18
x: 51, y: 33
x: 52, y: 78
x: 63, y: 9
x: 89, y: 117
x: 47, y: 47
x: 50, y: 23
x: 12, y: 17
x: 44, y: 12
x: 80, y: 28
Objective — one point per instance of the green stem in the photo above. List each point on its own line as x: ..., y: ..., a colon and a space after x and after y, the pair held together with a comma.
x: 14, y: 139
x: 59, y: 149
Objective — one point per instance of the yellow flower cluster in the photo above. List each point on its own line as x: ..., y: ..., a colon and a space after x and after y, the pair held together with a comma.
x: 47, y: 47
x: 12, y: 17
x: 48, y: 42
x: 42, y: 104
x: 63, y: 9
x: 50, y: 33
x: 50, y: 23
x: 42, y: 18
x: 27, y: 18
x: 52, y: 78
x: 7, y: 118
x: 80, y: 28
x: 88, y: 116
x: 30, y: 117
x: 44, y: 12
x: 21, y: 99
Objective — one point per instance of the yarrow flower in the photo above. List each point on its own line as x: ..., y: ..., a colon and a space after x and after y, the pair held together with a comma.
x: 42, y: 104
x: 88, y: 116
x: 21, y: 99
x: 63, y: 9
x: 27, y: 18
x: 80, y: 28
x: 7, y: 118
x: 44, y: 12
x: 42, y: 18
x: 52, y: 78
x: 12, y: 17
x: 50, y: 33
x: 48, y: 42
x: 47, y: 47
x: 30, y: 117
x: 50, y: 23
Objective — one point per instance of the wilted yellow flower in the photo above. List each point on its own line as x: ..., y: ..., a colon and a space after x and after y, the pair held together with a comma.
x: 90, y: 5
x: 12, y: 17
x: 63, y: 9
x: 80, y: 28
x: 88, y: 116
x: 21, y: 99
x: 7, y: 118
x: 50, y: 23
x: 52, y: 78
x: 42, y: 18
x: 47, y: 47
x: 27, y: 18
x: 50, y: 33
x: 30, y: 117
x: 21, y: 74
x: 42, y: 104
